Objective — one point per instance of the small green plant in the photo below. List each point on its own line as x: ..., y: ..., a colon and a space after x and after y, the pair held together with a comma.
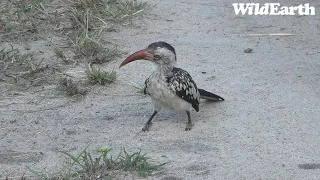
x: 100, y: 76
x: 87, y: 166
x: 124, y: 161
x: 141, y: 89
x: 39, y: 174
x: 85, y: 161
x: 137, y: 162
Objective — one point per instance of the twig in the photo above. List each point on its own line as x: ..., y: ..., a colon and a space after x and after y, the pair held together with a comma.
x: 102, y: 21
x: 62, y: 72
x: 137, y: 12
x: 34, y: 71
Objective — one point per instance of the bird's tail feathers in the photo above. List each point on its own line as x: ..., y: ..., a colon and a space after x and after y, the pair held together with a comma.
x: 209, y: 96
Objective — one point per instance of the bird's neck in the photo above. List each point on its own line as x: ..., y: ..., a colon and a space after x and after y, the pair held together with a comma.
x: 165, y: 68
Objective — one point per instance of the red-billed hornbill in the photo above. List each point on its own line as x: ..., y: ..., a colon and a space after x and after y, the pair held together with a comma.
x: 169, y: 87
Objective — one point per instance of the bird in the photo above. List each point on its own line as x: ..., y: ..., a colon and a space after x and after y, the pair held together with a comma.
x: 168, y: 86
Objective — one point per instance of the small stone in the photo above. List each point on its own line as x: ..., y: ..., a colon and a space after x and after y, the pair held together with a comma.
x: 13, y: 121
x: 248, y: 50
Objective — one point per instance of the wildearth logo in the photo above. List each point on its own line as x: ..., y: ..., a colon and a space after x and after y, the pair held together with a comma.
x: 272, y: 9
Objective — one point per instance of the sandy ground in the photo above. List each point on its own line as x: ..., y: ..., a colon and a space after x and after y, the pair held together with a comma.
x: 267, y: 128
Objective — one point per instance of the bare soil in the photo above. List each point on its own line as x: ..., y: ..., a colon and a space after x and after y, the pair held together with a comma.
x: 267, y: 127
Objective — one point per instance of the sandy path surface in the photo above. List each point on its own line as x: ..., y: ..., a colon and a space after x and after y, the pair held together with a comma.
x: 267, y: 127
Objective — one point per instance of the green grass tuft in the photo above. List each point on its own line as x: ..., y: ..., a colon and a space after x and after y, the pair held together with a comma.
x: 87, y: 166
x: 140, y: 89
x: 137, y: 162
x: 100, y: 76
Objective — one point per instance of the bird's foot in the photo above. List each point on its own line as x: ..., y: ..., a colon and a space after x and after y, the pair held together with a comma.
x: 146, y: 127
x: 189, y: 126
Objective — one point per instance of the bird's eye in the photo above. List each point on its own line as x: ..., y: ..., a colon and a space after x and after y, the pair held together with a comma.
x: 156, y: 57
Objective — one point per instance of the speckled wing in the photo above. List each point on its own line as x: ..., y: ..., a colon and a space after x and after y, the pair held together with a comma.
x: 182, y: 84
x: 146, y: 86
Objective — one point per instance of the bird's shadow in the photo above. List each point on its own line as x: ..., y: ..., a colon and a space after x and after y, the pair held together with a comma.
x: 207, y: 102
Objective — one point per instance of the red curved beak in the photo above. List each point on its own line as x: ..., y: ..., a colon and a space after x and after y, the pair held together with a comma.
x: 139, y: 55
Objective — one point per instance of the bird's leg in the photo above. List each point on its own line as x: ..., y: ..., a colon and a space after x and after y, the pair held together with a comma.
x: 148, y: 124
x: 189, y: 123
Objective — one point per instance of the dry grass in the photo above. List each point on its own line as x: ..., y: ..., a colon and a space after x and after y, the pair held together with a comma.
x: 72, y: 88
x: 140, y: 89
x: 21, y: 19
x: 91, y: 19
x: 108, y: 10
x: 97, y: 53
x: 79, y: 19
x: 59, y: 53
x: 83, y: 22
x: 20, y: 66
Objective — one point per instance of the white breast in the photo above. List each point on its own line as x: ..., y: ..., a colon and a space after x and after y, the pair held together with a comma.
x: 163, y: 96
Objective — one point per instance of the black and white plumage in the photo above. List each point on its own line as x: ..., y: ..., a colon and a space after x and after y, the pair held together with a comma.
x: 182, y: 84
x: 169, y: 87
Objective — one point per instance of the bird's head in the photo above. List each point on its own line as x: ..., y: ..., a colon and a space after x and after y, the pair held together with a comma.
x: 161, y: 53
